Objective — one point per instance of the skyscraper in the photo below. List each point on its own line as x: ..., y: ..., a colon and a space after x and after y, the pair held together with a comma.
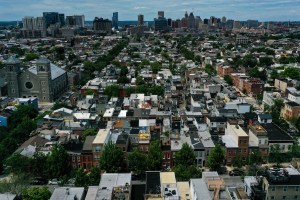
x: 115, y: 20
x: 161, y: 14
x: 75, y: 20
x: 51, y: 18
x: 160, y: 24
x: 140, y: 20
x: 61, y: 20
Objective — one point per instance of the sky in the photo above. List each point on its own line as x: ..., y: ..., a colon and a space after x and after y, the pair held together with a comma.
x: 263, y: 10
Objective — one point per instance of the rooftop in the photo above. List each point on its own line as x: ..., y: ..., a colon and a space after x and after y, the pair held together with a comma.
x: 101, y: 136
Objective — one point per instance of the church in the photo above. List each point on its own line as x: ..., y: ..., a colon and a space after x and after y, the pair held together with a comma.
x: 43, y: 80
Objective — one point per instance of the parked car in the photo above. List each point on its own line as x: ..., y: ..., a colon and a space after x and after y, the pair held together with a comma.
x: 38, y: 181
x: 236, y: 172
x: 54, y: 182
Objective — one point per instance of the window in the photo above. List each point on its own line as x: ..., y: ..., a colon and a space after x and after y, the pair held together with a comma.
x: 259, y: 142
x: 285, y: 188
x: 273, y: 188
x: 283, y: 147
x: 295, y: 197
x: 43, y: 82
x: 272, y: 197
x: 13, y: 91
x: 44, y: 91
x: 297, y: 188
x: 78, y: 158
x: 44, y: 98
x: 283, y: 197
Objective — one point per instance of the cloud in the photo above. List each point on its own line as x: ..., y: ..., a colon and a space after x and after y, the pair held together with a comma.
x: 129, y: 9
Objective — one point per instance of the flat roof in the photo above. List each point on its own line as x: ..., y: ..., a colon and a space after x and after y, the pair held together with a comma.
x: 229, y: 141
x: 167, y: 178
x: 101, y: 136
x: 238, y: 130
x: 184, y: 190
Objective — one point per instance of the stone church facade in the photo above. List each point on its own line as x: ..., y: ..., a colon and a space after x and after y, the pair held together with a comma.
x: 43, y: 80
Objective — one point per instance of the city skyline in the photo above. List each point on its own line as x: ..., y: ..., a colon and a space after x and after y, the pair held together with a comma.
x: 265, y: 10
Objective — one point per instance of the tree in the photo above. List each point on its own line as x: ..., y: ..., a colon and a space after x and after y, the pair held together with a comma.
x: 255, y: 158
x: 155, y: 67
x: 275, y: 154
x: 228, y: 79
x: 266, y: 61
x: 89, y: 132
x: 112, y: 91
x: 22, y: 112
x: 137, y: 161
x: 15, y: 185
x: 185, y: 156
x: 39, y: 165
x: 185, y: 167
x: 257, y: 73
x: 30, y: 57
x: 112, y: 158
x: 276, y: 109
x: 81, y: 178
x: 237, y: 161
x: 292, y: 73
x: 36, y: 193
x: 210, y: 70
x: 185, y: 173
x: 58, y: 162
x: 216, y: 158
x: 139, y: 80
x: 18, y: 164
x: 249, y: 61
x: 94, y: 176
x: 155, y: 156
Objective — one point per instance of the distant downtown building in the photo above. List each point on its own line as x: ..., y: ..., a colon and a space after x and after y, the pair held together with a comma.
x: 140, y: 20
x: 115, y: 20
x: 160, y: 23
x: 53, y: 18
x: 75, y: 21
x: 102, y: 25
x: 33, y: 27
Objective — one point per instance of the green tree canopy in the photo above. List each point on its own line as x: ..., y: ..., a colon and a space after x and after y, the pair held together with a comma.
x: 216, y: 158
x: 255, y: 158
x: 185, y: 156
x: 94, y: 176
x: 30, y: 57
x: 228, y: 79
x: 155, y: 67
x: 210, y: 69
x: 249, y: 61
x: 137, y: 161
x: 275, y: 154
x: 112, y: 90
x: 36, y: 193
x: 89, y: 132
x: 58, y: 162
x: 81, y: 178
x: 155, y: 156
x: 112, y: 158
x: 266, y: 61
x: 185, y: 173
x: 292, y: 73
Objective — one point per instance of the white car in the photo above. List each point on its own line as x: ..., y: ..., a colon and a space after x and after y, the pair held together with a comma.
x: 54, y: 182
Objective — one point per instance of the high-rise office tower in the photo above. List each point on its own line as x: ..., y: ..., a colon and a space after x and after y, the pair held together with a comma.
x: 160, y: 24
x: 102, y: 25
x: 75, y: 20
x: 51, y: 18
x: 61, y: 19
x: 161, y: 14
x: 191, y: 21
x: 223, y: 19
x: 140, y: 20
x: 115, y: 20
x: 170, y: 22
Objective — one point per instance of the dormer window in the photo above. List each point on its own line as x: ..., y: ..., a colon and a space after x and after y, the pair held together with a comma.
x: 42, y: 68
x: 10, y: 68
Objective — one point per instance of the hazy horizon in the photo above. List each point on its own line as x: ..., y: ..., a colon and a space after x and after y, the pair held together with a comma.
x: 262, y: 10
